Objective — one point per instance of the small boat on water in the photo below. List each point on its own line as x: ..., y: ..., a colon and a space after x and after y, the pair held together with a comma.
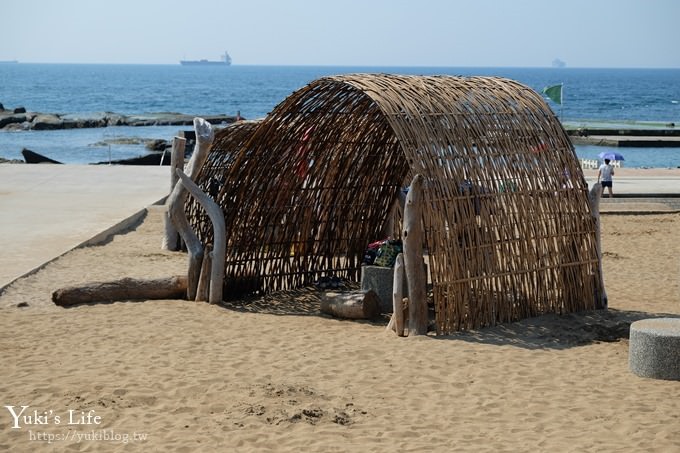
x: 224, y: 61
x: 31, y: 157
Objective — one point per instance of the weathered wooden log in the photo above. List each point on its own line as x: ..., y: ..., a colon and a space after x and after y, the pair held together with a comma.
x: 392, y: 325
x: 176, y: 200
x: 171, y: 238
x: 351, y: 305
x: 404, y: 317
x: 194, y: 246
x: 412, y: 238
x: 205, y: 135
x: 123, y: 289
x: 203, y: 289
x: 594, y: 196
x: 397, y: 320
x: 219, y: 236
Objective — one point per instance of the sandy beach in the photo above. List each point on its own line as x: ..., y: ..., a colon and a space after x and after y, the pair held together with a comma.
x: 275, y: 375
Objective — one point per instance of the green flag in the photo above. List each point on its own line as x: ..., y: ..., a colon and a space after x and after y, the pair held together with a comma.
x: 554, y: 92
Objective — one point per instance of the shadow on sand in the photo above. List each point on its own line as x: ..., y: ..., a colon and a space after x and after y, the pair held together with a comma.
x: 549, y: 331
x: 559, y: 331
x: 543, y: 332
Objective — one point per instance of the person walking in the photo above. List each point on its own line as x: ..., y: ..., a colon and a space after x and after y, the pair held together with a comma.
x: 604, y: 174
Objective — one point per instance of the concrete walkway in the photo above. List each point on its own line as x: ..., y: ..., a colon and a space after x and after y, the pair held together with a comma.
x: 641, y: 191
x: 640, y: 185
x: 47, y: 210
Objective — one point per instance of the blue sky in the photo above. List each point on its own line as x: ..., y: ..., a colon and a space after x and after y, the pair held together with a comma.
x: 464, y: 33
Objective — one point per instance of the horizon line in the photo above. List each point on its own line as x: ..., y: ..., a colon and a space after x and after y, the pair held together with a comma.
x: 19, y: 62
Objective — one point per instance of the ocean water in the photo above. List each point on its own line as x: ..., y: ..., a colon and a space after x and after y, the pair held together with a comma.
x: 631, y: 97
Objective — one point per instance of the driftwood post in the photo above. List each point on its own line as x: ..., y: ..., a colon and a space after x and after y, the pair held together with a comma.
x: 171, y: 238
x: 176, y: 200
x: 594, y: 195
x: 220, y: 237
x: 412, y: 237
x: 397, y: 320
x: 203, y: 289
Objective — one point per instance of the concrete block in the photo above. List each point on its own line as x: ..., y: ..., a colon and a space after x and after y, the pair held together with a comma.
x: 380, y: 279
x: 654, y: 348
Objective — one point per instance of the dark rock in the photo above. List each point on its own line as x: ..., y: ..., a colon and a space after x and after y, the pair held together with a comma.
x: 115, y: 120
x: 121, y: 141
x: 17, y: 127
x: 70, y: 124
x: 11, y: 161
x: 157, y: 145
x: 22, y: 305
x: 2, y: 107
x: 52, y: 121
x: 47, y: 121
x: 11, y: 118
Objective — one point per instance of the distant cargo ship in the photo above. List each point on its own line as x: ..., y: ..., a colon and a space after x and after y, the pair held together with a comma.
x: 224, y: 61
x: 557, y: 63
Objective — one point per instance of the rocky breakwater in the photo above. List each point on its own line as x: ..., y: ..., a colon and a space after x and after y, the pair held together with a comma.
x: 20, y: 119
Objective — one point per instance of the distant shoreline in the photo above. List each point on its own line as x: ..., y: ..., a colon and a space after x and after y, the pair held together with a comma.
x: 19, y: 119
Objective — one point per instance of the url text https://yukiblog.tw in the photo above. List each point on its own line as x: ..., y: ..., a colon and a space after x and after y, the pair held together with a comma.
x: 95, y: 435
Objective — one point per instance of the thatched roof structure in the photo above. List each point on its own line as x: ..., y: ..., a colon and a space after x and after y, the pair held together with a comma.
x: 507, y: 219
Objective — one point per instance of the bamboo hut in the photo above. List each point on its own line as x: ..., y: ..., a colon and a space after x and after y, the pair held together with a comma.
x: 508, y: 230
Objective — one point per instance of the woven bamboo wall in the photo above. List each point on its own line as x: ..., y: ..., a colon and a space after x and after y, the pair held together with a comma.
x: 508, y: 226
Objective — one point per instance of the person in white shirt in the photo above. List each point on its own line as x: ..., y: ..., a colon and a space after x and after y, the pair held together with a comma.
x: 605, y: 174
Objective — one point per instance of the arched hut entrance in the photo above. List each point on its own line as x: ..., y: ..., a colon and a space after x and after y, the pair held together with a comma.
x: 507, y: 220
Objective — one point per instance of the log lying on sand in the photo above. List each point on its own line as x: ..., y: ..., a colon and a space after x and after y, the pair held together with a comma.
x: 123, y: 289
x: 351, y: 305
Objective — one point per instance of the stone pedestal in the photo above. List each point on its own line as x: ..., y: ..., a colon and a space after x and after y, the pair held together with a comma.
x: 654, y: 348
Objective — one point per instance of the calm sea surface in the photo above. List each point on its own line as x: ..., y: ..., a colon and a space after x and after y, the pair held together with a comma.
x: 617, y: 96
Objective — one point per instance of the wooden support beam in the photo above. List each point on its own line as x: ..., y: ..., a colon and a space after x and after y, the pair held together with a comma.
x: 397, y: 320
x: 203, y: 289
x: 171, y: 238
x: 176, y: 200
x: 594, y: 197
x: 219, y: 237
x: 412, y: 238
